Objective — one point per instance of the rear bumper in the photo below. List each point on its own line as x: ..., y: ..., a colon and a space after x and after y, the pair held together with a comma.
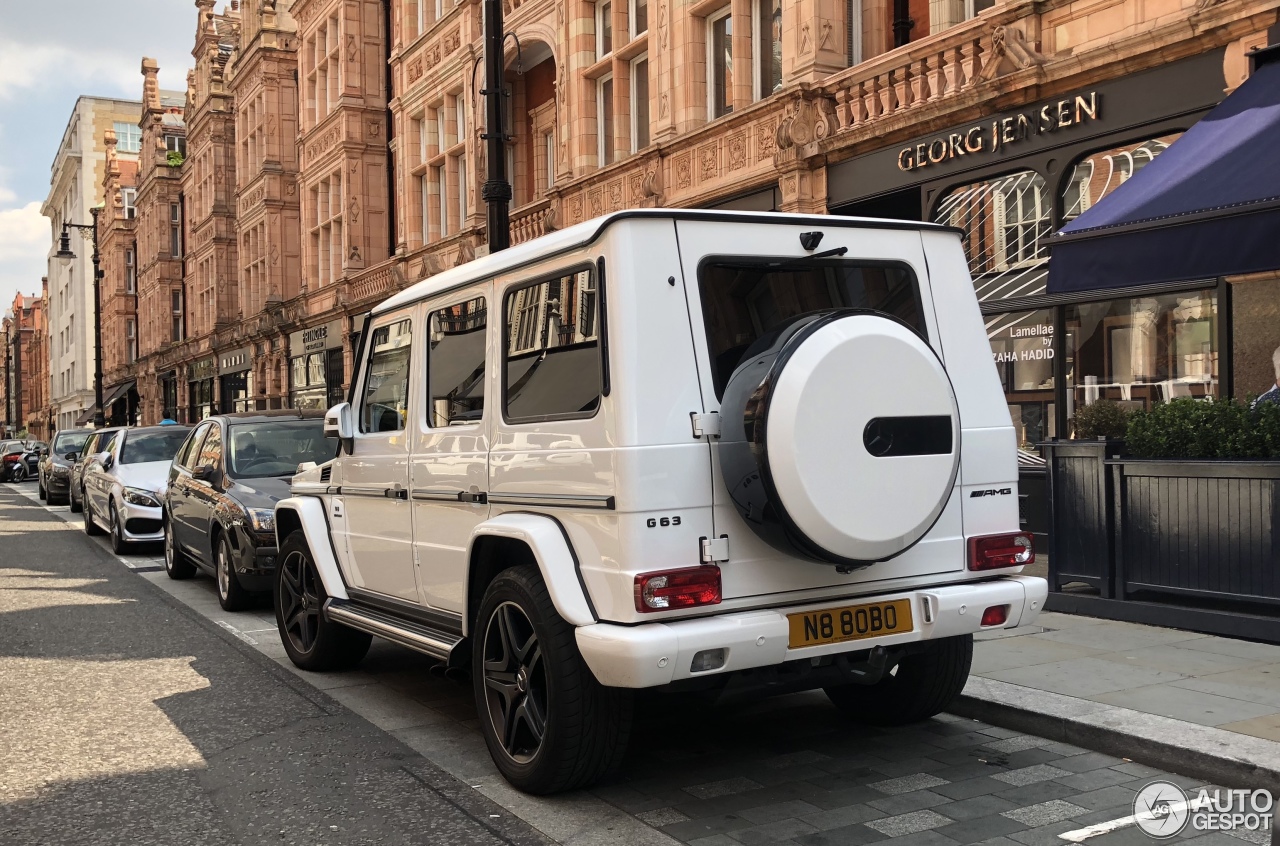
x: 655, y: 654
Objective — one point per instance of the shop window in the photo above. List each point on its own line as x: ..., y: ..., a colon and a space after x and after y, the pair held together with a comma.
x: 386, y: 387
x: 767, y: 55
x: 455, y: 364
x: 1143, y: 350
x: 552, y: 367
x: 719, y: 64
x: 1098, y: 174
x: 1005, y: 221
x: 1023, y: 349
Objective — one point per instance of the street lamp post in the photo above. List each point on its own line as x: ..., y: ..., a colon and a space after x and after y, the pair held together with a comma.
x: 65, y: 253
x: 496, y: 190
x: 8, y: 383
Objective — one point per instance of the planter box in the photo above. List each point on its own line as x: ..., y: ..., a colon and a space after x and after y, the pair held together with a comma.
x: 1166, y: 533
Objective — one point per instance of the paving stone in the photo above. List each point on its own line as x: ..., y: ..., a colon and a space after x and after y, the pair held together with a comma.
x: 849, y: 835
x: 1107, y: 797
x: 981, y: 828
x: 922, y: 838
x: 971, y: 787
x: 978, y: 806
x: 1258, y: 838
x: 1041, y: 791
x: 905, y: 784
x: 902, y: 803
x: 1017, y: 744
x: 850, y: 763
x: 1088, y: 761
x: 960, y: 741
x: 712, y: 789
x: 909, y: 766
x: 901, y: 824
x: 840, y: 817
x: 1113, y: 812
x: 998, y: 732
x: 706, y: 826
x: 1065, y: 749
x: 1135, y: 769
x: 847, y: 796
x: 661, y: 816
x: 1055, y: 810
x: 1031, y: 775
x: 1030, y: 757
x: 1046, y: 835
x: 960, y: 772
x: 776, y: 811
x: 998, y: 841
x: 800, y: 757
x: 772, y: 833
x: 1095, y: 779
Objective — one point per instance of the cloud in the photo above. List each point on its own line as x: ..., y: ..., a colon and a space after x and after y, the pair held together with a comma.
x: 27, y: 66
x: 24, y: 247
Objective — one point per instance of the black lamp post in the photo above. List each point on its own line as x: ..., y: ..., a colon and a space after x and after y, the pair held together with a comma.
x: 496, y: 190
x: 65, y: 253
x: 8, y: 383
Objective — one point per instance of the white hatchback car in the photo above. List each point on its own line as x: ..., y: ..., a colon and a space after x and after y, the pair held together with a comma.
x: 123, y: 484
x: 694, y: 450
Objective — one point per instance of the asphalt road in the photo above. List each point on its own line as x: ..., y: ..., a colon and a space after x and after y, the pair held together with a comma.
x: 133, y: 710
x: 127, y: 719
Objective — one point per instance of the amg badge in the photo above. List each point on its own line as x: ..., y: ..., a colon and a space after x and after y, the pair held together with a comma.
x: 992, y: 492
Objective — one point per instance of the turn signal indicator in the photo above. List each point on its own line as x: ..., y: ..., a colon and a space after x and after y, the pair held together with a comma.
x: 995, y: 551
x: 666, y: 590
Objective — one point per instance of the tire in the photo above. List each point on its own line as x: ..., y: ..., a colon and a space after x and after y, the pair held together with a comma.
x: 526, y: 670
x: 40, y: 491
x: 176, y: 564
x: 925, y: 684
x: 77, y: 505
x: 18, y: 474
x: 90, y: 527
x: 119, y: 545
x: 231, y: 594
x: 311, y: 641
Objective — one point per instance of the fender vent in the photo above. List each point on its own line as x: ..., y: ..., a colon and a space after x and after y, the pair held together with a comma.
x: 326, y: 474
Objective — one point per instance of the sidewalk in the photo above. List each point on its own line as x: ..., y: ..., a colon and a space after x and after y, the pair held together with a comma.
x: 1138, y: 688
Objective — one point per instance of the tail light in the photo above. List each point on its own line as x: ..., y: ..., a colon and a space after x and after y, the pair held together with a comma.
x: 995, y: 615
x: 995, y: 551
x: 666, y: 590
x: 12, y: 458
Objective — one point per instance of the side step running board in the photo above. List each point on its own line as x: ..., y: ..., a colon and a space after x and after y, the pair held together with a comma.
x: 408, y: 634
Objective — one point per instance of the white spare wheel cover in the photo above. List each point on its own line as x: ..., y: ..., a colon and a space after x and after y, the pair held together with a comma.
x: 854, y: 434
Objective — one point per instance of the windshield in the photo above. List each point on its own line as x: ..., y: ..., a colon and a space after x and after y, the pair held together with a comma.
x: 276, y: 449
x: 745, y: 300
x: 158, y: 445
x: 69, y: 442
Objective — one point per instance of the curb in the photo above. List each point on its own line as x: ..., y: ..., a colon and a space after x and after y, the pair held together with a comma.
x: 1216, y: 755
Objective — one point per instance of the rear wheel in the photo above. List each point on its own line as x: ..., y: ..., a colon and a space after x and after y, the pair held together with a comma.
x: 40, y: 491
x: 176, y: 563
x: 231, y: 595
x: 923, y: 685
x: 76, y: 504
x: 550, y: 726
x: 118, y: 543
x: 311, y: 641
x: 90, y: 527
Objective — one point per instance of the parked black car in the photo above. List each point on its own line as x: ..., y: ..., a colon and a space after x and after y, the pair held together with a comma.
x: 219, y: 507
x: 92, y: 449
x: 54, y: 472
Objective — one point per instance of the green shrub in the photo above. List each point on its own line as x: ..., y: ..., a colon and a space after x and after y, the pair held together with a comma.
x: 1218, y: 428
x: 174, y: 159
x: 1101, y: 419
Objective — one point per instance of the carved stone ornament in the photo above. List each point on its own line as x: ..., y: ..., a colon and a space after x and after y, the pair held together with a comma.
x: 1009, y: 51
x: 807, y: 121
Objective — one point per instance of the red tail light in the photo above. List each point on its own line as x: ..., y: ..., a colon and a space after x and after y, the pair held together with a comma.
x: 665, y: 590
x: 995, y: 551
x: 995, y: 615
x: 12, y: 459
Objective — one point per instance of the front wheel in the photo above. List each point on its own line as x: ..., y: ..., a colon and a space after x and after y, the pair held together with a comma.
x: 18, y: 473
x: 922, y: 685
x: 119, y: 545
x: 76, y: 504
x: 231, y: 594
x: 40, y: 491
x: 90, y: 527
x: 176, y: 564
x: 550, y: 726
x: 311, y: 641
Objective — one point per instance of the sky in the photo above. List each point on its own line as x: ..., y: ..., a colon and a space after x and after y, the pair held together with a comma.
x: 51, y: 52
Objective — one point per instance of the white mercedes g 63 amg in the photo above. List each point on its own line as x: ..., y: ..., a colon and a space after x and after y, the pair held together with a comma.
x: 703, y: 450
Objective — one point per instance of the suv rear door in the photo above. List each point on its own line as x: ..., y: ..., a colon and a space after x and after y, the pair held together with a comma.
x: 757, y: 568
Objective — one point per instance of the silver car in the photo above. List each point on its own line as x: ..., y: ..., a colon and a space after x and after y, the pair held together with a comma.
x: 123, y: 486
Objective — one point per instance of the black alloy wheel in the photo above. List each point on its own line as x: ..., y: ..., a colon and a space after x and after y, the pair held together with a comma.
x: 231, y: 594
x: 515, y: 682
x: 311, y: 641
x: 176, y: 564
x: 119, y: 545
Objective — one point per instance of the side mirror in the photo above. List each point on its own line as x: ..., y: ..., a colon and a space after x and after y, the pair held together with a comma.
x: 71, y: 456
x: 204, y: 473
x: 339, y: 422
x: 108, y: 461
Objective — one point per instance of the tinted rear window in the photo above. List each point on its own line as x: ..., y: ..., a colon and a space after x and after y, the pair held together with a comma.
x: 160, y: 445
x: 69, y: 442
x: 747, y: 299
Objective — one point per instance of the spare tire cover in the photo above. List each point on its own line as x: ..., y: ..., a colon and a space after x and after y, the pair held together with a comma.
x: 841, y: 437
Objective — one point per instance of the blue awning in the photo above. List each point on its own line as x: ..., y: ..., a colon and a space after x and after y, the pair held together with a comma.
x: 1207, y: 206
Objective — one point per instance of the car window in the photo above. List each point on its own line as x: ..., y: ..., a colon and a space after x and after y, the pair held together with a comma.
x: 386, y: 387
x: 156, y: 445
x: 256, y: 450
x: 191, y: 447
x: 211, y: 450
x: 90, y: 444
x: 552, y: 367
x: 455, y: 364
x: 109, y: 444
x: 746, y: 302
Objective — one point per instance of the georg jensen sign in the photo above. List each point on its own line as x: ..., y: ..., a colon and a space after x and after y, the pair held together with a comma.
x: 996, y: 135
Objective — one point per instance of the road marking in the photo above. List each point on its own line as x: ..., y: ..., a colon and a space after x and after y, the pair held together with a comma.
x: 1080, y: 835
x: 237, y: 632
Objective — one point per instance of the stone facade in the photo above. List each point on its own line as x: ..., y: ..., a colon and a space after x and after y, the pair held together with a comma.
x: 21, y: 398
x: 40, y: 419
x: 118, y: 251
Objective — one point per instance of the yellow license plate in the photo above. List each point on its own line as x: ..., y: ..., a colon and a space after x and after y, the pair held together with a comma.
x: 852, y: 622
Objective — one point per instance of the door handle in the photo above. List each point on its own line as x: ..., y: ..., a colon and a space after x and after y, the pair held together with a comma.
x: 478, y: 497
x: 396, y: 493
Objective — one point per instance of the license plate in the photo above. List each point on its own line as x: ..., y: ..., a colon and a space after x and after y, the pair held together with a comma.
x: 851, y: 622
